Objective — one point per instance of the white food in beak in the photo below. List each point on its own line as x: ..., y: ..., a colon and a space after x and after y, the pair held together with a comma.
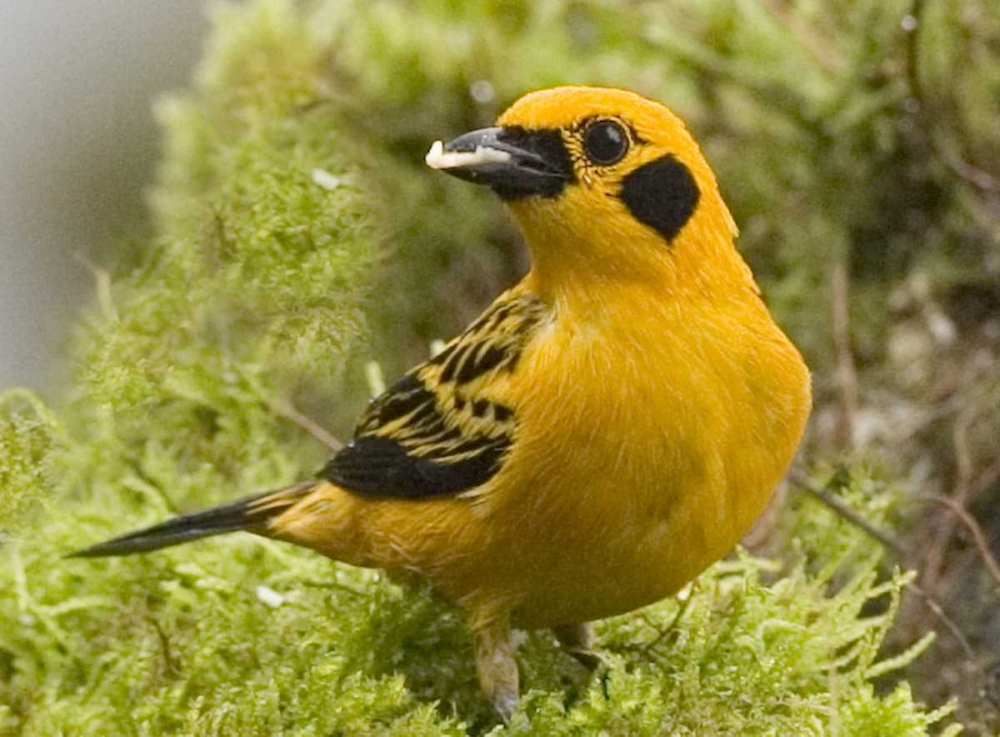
x: 438, y: 158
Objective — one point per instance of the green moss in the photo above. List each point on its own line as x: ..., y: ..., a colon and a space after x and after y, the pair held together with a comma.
x: 180, y: 642
x: 254, y: 288
x: 29, y: 446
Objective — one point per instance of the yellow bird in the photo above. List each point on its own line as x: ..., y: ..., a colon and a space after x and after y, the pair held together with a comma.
x: 607, y: 428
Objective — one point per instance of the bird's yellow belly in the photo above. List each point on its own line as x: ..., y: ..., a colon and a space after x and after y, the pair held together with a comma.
x: 618, y: 489
x: 652, y: 480
x: 617, y: 551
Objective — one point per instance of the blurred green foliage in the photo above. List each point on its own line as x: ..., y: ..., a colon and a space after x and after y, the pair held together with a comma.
x: 252, y: 288
x: 823, y: 122
x: 292, y: 211
x: 29, y: 439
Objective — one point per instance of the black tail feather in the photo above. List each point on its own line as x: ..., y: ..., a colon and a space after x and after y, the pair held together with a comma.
x: 250, y: 513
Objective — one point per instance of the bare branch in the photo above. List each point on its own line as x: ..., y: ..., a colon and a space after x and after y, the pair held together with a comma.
x: 974, y: 528
x: 944, y: 529
x: 842, y: 509
x: 287, y: 411
x: 931, y: 602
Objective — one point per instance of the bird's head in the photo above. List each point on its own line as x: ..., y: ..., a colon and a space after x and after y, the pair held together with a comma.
x: 603, y: 182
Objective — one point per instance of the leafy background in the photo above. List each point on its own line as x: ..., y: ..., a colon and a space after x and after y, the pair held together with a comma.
x: 856, y: 142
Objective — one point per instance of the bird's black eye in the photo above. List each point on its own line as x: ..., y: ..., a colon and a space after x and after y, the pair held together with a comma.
x: 605, y: 142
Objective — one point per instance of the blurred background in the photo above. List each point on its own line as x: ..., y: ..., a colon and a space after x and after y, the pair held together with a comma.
x: 77, y: 149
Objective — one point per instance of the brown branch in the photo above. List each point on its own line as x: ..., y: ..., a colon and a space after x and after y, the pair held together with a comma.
x: 932, y: 603
x: 944, y: 529
x: 974, y: 528
x: 287, y: 411
x: 764, y: 527
x: 972, y: 174
x: 166, y: 649
x: 842, y: 509
x: 971, y: 656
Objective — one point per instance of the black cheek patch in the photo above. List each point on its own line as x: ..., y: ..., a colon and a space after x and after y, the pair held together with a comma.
x: 661, y: 194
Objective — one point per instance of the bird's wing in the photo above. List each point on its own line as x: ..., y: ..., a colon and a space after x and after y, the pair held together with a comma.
x: 444, y: 428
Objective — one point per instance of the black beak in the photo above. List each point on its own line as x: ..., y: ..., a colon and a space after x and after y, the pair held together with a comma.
x: 514, y: 162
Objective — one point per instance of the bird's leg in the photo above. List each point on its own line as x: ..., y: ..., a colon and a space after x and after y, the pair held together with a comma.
x: 496, y: 666
x: 577, y: 640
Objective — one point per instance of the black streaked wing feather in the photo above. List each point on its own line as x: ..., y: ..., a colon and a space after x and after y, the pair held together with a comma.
x: 438, y: 431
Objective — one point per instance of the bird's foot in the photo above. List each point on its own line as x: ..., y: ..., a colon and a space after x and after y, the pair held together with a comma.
x: 589, y: 659
x: 577, y: 641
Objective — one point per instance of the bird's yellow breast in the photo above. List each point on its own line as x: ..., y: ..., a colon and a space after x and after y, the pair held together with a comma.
x: 650, y: 436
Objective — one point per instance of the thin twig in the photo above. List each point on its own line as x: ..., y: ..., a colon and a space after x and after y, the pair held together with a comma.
x: 841, y: 508
x: 944, y: 530
x: 662, y: 632
x: 963, y: 456
x: 766, y: 523
x: 974, y: 528
x: 102, y: 285
x: 169, y: 661
x: 972, y: 174
x: 971, y: 656
x: 335, y: 585
x: 287, y: 411
x: 940, y: 408
x: 932, y: 603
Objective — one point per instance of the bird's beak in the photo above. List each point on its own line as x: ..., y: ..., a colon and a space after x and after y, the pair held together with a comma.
x: 514, y: 162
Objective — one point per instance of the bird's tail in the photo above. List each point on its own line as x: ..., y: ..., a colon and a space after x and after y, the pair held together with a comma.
x: 251, y: 513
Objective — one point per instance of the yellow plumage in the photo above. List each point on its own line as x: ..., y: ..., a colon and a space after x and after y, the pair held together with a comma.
x: 610, y: 427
